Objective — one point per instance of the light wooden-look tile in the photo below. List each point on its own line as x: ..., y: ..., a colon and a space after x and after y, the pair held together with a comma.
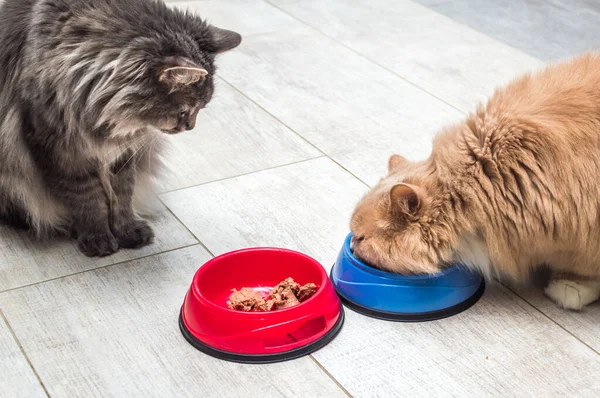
x: 16, y: 377
x: 584, y: 324
x: 448, y: 59
x: 247, y: 17
x: 233, y: 136
x: 544, y: 29
x: 25, y: 260
x: 304, y: 207
x: 114, y: 332
x: 351, y: 109
x: 282, y: 2
x: 500, y: 347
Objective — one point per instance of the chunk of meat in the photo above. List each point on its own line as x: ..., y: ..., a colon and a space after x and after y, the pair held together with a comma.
x: 245, y: 299
x: 284, y: 298
x: 288, y: 284
x: 306, y: 292
x: 286, y: 294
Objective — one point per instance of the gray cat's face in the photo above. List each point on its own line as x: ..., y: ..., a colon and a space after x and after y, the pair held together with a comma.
x: 181, y: 90
x: 173, y: 88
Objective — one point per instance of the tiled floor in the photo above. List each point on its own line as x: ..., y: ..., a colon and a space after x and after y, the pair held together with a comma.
x: 307, y: 111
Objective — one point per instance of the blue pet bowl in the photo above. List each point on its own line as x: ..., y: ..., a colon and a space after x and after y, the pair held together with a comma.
x: 395, y: 297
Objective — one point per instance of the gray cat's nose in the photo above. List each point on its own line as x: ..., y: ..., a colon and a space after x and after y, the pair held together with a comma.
x: 183, y: 126
x: 190, y: 122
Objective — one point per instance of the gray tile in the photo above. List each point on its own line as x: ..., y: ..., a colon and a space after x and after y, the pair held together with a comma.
x: 24, y: 260
x: 351, y: 109
x: 591, y: 5
x: 429, y: 3
x: 233, y: 136
x: 17, y: 378
x: 582, y: 324
x: 247, y: 17
x: 282, y: 2
x: 545, y: 29
x: 304, y: 207
x: 114, y: 333
x: 364, y: 149
x: 448, y: 59
x: 500, y: 346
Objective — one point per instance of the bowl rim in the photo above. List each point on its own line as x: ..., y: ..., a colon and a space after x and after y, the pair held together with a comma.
x: 215, y: 260
x: 357, y: 263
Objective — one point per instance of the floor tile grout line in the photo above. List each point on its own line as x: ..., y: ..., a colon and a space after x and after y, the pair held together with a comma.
x: 244, y: 36
x: 293, y: 130
x: 395, y: 73
x: 371, y: 60
x: 183, y: 225
x: 349, y: 172
x: 497, y: 40
x: 550, y: 318
x: 100, y: 267
x: 476, y: 30
x: 241, y: 175
x: 18, y: 342
x: 271, y: 114
x: 320, y: 365
x: 187, y: 229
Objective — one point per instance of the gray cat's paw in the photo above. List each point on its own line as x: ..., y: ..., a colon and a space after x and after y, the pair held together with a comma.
x: 134, y: 234
x: 97, y: 244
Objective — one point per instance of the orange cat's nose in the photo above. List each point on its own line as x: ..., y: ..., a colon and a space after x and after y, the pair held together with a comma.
x: 355, y: 240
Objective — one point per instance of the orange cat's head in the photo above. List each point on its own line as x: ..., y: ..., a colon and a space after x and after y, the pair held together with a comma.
x: 392, y: 225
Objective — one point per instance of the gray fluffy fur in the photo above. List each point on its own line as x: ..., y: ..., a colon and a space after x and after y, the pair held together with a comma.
x: 89, y: 89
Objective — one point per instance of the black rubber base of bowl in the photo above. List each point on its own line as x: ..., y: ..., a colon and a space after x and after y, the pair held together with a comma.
x: 417, y: 316
x: 263, y: 359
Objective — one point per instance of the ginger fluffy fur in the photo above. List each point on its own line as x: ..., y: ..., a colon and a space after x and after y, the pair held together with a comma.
x: 514, y: 186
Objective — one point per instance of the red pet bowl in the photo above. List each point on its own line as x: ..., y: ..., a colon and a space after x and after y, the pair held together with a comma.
x: 259, y: 337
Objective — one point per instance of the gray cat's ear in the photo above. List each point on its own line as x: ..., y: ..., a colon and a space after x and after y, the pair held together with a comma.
x: 405, y: 199
x: 180, y: 72
x: 224, y: 40
x: 395, y: 161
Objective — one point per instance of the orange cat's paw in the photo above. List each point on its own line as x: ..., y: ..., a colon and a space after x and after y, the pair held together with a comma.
x: 572, y: 295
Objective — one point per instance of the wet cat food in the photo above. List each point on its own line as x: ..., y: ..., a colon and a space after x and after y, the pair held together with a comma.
x: 286, y: 294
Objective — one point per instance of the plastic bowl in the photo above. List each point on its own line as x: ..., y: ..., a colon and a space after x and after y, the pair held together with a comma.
x: 389, y: 296
x: 259, y: 337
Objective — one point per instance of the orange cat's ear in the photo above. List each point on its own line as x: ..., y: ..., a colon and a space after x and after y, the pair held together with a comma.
x: 405, y: 199
x: 395, y: 161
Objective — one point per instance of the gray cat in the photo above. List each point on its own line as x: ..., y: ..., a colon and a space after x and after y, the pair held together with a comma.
x: 89, y: 89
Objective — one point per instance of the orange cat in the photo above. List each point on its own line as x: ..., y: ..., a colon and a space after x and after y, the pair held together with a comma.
x: 514, y: 186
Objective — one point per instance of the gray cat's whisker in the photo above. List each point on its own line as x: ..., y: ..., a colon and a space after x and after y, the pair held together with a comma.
x: 140, y: 148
